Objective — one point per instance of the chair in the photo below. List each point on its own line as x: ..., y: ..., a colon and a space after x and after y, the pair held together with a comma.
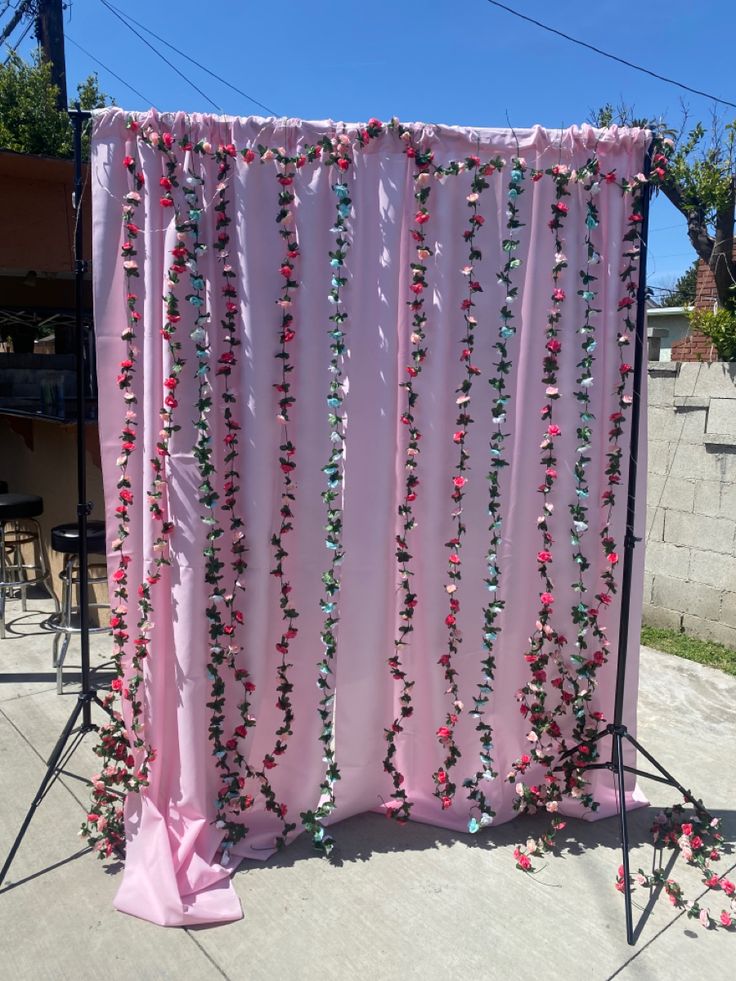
x: 19, y: 528
x: 65, y: 539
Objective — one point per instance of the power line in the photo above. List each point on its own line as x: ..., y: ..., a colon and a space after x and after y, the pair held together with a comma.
x: 193, y: 61
x: 108, y: 70
x: 161, y: 56
x: 606, y: 54
x: 13, y: 48
x: 20, y: 12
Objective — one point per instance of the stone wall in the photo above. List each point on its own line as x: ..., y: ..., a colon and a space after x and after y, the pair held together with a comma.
x: 690, y: 565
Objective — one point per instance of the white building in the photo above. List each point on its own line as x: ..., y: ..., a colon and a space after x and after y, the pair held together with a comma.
x: 665, y: 325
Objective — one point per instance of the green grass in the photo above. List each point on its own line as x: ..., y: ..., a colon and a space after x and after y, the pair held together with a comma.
x: 702, y: 651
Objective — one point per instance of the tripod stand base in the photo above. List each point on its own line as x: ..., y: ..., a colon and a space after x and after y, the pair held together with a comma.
x: 616, y: 765
x: 71, y: 736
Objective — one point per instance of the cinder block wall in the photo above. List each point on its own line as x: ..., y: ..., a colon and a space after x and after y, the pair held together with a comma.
x: 690, y: 564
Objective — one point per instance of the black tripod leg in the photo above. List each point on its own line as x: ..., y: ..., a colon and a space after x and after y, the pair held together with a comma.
x: 618, y: 763
x: 49, y: 776
x: 666, y: 774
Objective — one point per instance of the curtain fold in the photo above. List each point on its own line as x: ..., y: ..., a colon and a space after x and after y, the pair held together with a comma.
x: 224, y: 314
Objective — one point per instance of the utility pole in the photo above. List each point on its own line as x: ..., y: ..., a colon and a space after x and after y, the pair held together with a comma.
x: 50, y: 34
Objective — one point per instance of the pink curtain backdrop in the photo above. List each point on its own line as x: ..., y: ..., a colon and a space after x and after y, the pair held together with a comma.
x: 173, y: 871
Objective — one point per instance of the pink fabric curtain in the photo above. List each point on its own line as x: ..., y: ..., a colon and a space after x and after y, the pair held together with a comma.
x: 174, y: 872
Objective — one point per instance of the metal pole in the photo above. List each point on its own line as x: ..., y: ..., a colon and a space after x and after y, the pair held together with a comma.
x: 630, y: 539
x: 83, y: 507
x: 61, y: 753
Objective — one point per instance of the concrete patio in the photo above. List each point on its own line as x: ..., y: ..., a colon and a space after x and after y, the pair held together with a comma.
x: 397, y: 903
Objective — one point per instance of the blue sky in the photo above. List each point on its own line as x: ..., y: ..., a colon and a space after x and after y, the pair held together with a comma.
x: 463, y: 62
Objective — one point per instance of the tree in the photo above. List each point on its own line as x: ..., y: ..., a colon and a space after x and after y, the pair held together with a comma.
x: 30, y: 121
x: 682, y: 293
x: 701, y: 183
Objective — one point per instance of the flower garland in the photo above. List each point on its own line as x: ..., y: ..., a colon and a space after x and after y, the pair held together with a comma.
x: 545, y: 729
x: 337, y: 155
x: 287, y: 450
x: 442, y: 777
x: 223, y: 616
x: 399, y: 807
x: 581, y: 683
x: 229, y: 792
x: 507, y: 331
x: 157, y: 503
x: 236, y: 798
x: 103, y: 826
x: 699, y: 841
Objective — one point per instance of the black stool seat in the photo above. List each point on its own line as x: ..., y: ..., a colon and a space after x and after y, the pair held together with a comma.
x: 65, y: 538
x: 14, y: 506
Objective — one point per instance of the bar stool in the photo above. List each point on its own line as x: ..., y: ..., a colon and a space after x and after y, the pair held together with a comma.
x: 65, y: 539
x: 18, y: 527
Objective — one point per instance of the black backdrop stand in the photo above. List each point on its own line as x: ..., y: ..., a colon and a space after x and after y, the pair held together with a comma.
x: 617, y: 729
x: 75, y: 730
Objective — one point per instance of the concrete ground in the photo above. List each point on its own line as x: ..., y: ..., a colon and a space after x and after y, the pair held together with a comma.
x: 408, y: 903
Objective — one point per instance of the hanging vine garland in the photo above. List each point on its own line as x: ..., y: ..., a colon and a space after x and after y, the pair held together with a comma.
x: 103, y: 826
x: 507, y: 278
x: 222, y: 614
x: 156, y: 494
x: 444, y: 785
x: 287, y: 450
x: 337, y: 154
x: 581, y: 683
x: 204, y: 455
x: 587, y: 721
x: 545, y: 729
x: 236, y: 801
x: 399, y: 807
